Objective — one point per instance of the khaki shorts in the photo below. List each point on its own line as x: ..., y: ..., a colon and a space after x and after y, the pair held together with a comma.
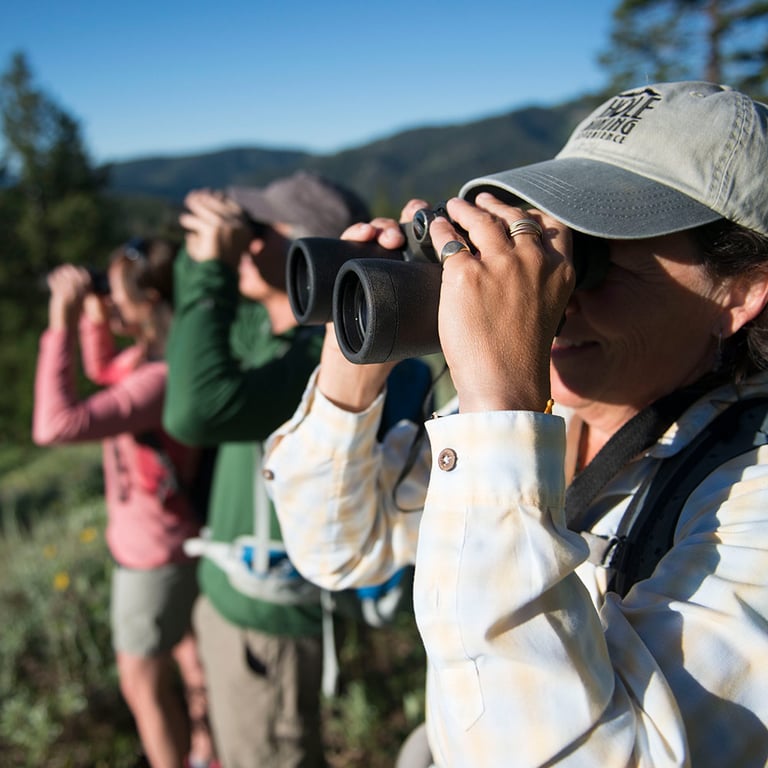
x: 151, y: 610
x: 263, y: 693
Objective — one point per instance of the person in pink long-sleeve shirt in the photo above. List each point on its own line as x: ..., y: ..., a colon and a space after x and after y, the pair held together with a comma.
x: 146, y: 474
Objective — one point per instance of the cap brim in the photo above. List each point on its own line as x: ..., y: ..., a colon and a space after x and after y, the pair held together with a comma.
x: 253, y: 201
x: 597, y: 198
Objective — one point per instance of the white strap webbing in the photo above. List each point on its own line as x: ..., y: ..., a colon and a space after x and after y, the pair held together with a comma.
x: 261, y: 515
x: 261, y: 509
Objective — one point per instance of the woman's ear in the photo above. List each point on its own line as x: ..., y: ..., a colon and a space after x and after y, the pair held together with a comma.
x: 152, y: 295
x: 748, y: 298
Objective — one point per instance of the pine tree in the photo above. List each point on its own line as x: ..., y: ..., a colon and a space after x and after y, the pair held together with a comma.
x: 53, y: 209
x: 723, y: 41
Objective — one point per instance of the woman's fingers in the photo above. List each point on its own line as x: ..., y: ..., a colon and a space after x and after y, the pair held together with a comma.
x: 500, y: 306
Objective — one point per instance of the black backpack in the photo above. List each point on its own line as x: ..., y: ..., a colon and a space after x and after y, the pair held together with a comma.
x: 646, y: 533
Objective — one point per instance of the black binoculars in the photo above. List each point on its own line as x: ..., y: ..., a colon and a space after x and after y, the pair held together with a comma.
x: 99, y: 281
x: 384, y: 303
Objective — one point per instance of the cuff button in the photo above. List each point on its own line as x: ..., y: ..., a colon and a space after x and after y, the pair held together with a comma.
x: 446, y: 460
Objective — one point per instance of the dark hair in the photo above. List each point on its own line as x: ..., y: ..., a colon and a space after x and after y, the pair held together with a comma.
x: 148, y: 265
x: 729, y: 250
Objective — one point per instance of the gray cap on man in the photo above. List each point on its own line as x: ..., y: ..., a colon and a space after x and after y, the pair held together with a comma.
x: 323, y: 208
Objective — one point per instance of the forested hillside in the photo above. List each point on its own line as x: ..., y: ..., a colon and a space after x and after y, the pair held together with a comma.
x: 429, y: 162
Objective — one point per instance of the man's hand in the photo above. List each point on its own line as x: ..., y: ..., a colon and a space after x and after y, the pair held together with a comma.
x: 216, y: 227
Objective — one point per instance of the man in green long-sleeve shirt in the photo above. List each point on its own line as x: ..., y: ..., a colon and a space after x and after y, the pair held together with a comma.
x: 237, y: 370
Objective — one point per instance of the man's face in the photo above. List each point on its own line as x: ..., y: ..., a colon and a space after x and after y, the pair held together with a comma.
x: 261, y: 270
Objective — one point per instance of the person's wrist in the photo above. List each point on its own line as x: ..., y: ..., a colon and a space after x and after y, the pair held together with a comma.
x: 352, y: 387
x: 475, y: 401
x: 59, y: 320
x: 93, y: 308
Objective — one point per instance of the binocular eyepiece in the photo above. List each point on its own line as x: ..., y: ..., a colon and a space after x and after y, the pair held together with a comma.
x: 384, y: 303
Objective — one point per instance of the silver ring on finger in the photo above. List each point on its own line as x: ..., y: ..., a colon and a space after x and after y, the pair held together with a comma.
x: 451, y: 248
x: 525, y: 227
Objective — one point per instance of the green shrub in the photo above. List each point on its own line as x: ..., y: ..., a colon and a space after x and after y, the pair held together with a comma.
x: 58, y: 683
x: 381, y: 697
x: 36, y: 482
x: 60, y: 705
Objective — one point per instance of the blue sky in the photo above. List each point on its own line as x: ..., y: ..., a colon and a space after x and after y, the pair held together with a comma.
x: 146, y: 78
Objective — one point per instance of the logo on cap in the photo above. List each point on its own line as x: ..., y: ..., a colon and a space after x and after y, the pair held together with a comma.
x: 620, y: 116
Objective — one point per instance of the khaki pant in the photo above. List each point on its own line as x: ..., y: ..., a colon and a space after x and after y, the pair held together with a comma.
x: 263, y: 693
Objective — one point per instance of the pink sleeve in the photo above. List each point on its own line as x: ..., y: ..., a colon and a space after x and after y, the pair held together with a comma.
x: 133, y: 404
x: 97, y: 347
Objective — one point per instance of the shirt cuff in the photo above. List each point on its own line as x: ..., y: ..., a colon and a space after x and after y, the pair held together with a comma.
x: 488, y: 457
x: 329, y: 424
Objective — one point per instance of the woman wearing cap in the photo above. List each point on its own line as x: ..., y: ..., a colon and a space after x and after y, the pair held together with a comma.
x: 535, y: 658
x: 148, y: 479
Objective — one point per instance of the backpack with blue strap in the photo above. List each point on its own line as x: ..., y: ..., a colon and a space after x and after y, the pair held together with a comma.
x: 258, y: 566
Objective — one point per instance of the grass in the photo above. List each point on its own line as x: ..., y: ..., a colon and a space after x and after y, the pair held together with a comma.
x: 60, y: 705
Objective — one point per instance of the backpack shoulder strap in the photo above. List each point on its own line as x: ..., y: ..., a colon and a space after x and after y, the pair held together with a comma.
x: 188, y: 470
x: 650, y: 531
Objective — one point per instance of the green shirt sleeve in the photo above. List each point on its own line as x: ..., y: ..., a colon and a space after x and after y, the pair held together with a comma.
x: 229, y: 378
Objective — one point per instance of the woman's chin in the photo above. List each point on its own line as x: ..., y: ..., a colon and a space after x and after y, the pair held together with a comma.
x: 573, y: 373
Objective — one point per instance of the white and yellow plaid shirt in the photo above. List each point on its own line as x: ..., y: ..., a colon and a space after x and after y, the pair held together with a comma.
x: 529, y: 662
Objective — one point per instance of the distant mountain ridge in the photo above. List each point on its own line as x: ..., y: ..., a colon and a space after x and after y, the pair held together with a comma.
x: 429, y: 162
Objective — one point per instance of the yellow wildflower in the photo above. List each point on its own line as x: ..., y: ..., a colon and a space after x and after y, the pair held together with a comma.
x: 87, y: 535
x: 61, y: 581
x: 49, y: 551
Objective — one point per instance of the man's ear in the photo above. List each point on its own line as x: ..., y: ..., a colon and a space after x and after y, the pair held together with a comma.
x: 749, y: 296
x: 256, y: 246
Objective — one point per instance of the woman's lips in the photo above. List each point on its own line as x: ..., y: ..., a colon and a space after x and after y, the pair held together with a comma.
x: 563, y: 346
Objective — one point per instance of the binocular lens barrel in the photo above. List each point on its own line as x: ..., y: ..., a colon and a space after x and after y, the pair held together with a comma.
x: 386, y: 310
x: 311, y: 269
